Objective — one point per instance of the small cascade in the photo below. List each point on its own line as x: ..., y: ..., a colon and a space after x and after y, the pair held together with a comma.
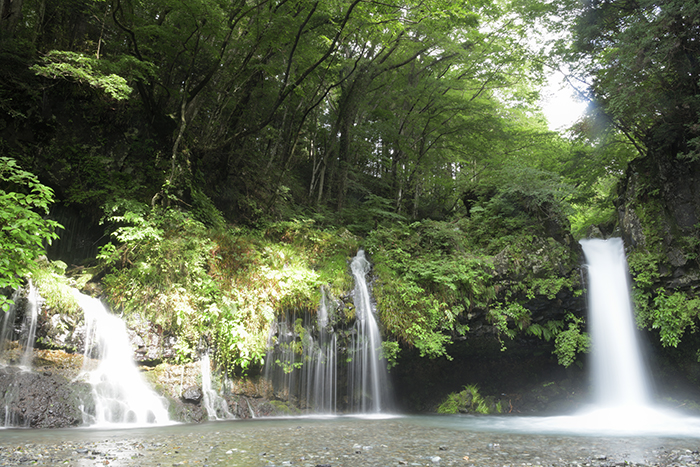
x: 120, y: 393
x: 324, y: 360
x: 7, y: 332
x: 368, y: 377
x: 285, y: 361
x: 29, y: 326
x: 250, y: 409
x: 24, y: 333
x: 215, y: 405
x: 619, y: 376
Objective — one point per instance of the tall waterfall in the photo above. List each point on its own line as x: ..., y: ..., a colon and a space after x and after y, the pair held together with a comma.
x: 120, y: 392
x: 368, y: 378
x: 619, y: 377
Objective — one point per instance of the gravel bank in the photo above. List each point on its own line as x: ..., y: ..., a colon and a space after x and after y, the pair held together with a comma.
x: 332, y: 442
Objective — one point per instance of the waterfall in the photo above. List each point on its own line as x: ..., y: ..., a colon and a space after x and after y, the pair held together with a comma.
x: 618, y: 373
x: 303, y: 364
x: 623, y: 403
x: 214, y: 404
x: 26, y: 333
x: 325, y: 363
x: 7, y: 332
x: 303, y: 367
x: 30, y: 318
x: 120, y: 392
x: 309, y: 358
x: 368, y: 377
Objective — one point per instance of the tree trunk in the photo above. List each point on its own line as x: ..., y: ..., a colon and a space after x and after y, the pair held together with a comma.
x: 10, y: 14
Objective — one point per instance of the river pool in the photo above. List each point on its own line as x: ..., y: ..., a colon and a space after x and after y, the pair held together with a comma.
x: 343, y: 441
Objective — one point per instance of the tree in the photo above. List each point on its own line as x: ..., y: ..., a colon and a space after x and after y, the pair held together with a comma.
x: 642, y: 60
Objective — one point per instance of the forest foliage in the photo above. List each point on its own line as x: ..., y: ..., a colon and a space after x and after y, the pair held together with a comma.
x: 239, y: 152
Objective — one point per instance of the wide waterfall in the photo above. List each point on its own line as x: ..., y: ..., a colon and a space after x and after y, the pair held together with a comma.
x: 120, y: 393
x: 315, y: 363
x: 618, y: 373
x: 303, y: 365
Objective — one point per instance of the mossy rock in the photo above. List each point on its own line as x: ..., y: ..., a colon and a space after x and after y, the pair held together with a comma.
x: 283, y: 408
x: 471, y: 401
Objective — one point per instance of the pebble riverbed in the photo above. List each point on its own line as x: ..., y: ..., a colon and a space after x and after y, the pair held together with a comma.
x: 334, y: 442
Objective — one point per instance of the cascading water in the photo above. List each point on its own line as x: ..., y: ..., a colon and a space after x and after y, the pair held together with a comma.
x: 368, y: 377
x: 305, y: 364
x: 7, y: 332
x: 304, y: 368
x: 325, y: 363
x: 25, y: 334
x: 622, y: 404
x: 214, y: 404
x: 120, y: 393
x: 30, y: 318
x: 619, y: 377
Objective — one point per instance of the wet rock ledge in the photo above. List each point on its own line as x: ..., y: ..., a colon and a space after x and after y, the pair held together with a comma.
x: 52, y: 393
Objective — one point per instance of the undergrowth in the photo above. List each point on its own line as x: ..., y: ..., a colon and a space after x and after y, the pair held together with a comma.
x: 218, y: 288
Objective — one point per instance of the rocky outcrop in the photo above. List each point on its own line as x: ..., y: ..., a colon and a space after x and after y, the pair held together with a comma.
x: 61, y: 331
x: 40, y: 399
x: 658, y: 208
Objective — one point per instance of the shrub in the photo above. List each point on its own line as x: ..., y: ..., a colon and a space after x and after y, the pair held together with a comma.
x: 23, y: 230
x: 469, y: 400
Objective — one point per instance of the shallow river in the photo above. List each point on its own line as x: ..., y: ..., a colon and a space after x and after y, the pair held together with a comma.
x: 341, y: 441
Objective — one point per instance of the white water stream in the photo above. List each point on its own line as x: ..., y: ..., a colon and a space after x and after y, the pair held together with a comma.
x: 215, y: 405
x: 368, y: 378
x: 311, y: 376
x: 322, y: 369
x: 325, y: 363
x: 120, y: 393
x: 618, y: 374
x: 30, y: 319
x: 622, y: 405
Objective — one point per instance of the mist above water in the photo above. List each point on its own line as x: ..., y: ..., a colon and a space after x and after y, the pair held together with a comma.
x: 623, y: 404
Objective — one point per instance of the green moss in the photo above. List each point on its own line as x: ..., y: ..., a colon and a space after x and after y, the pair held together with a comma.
x: 284, y: 408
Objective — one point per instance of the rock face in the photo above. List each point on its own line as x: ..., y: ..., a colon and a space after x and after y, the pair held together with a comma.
x: 658, y: 209
x: 63, y: 332
x: 40, y: 399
